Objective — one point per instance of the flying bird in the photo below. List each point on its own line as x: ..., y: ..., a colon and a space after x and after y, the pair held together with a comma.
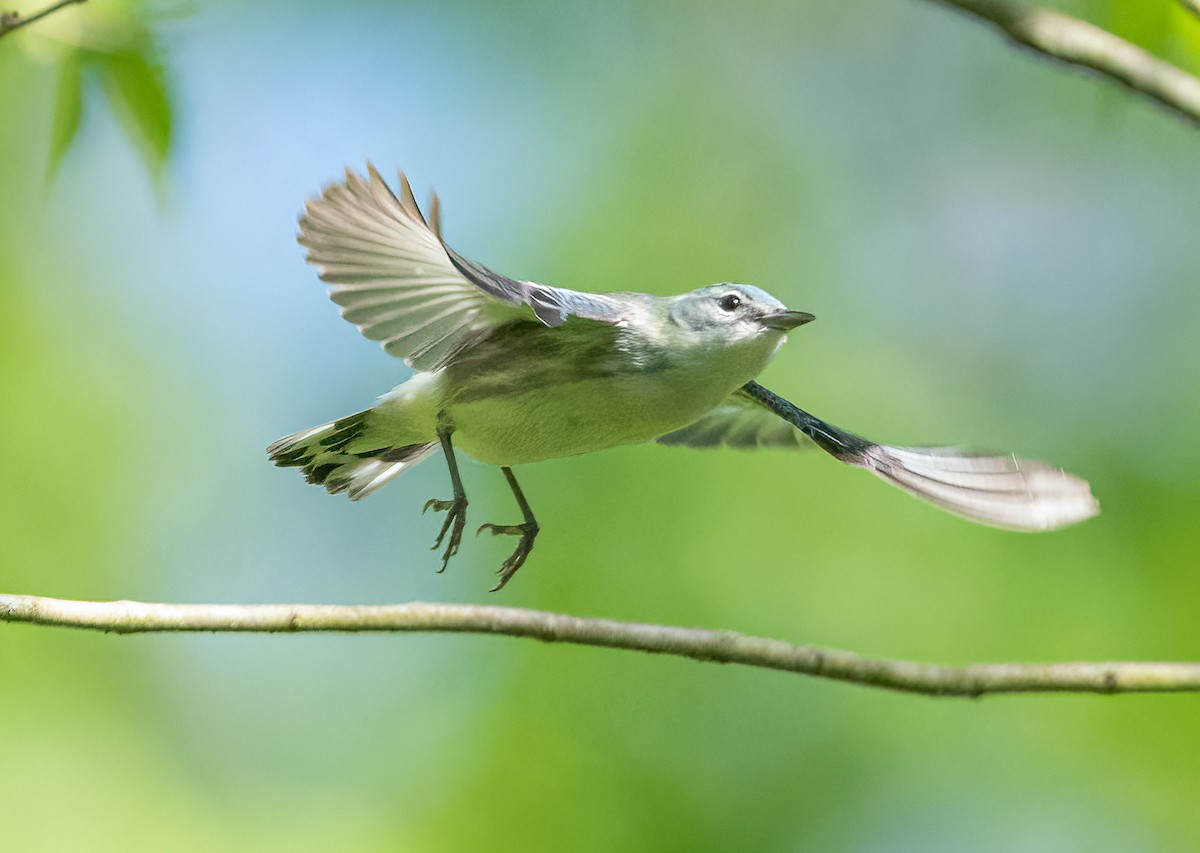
x: 513, y: 371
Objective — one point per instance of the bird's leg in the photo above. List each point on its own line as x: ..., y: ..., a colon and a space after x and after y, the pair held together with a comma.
x: 527, y: 530
x: 455, y: 509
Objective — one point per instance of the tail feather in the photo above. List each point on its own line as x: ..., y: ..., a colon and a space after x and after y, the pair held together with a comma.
x: 324, y: 456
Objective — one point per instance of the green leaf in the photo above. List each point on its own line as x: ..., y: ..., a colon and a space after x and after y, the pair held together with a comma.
x: 68, y: 107
x: 137, y: 92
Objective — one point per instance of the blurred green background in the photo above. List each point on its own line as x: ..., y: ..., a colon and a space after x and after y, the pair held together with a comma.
x: 999, y: 252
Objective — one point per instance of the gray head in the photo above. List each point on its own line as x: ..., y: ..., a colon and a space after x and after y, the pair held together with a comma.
x: 734, y: 312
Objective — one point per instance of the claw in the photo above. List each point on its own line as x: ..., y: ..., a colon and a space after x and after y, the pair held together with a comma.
x: 456, y: 521
x: 528, y: 532
x: 497, y: 529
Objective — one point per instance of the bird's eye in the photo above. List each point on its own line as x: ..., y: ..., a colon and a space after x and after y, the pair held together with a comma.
x: 729, y: 302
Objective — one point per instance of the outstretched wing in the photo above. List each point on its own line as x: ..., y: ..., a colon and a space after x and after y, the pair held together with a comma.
x: 740, y: 422
x: 997, y: 490
x: 399, y: 284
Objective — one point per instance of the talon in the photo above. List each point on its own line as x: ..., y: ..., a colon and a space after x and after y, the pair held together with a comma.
x: 456, y: 521
x: 497, y: 529
x: 528, y: 533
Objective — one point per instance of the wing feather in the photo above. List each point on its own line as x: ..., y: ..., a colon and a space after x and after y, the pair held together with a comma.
x: 739, y: 422
x: 393, y: 277
x: 1000, y: 490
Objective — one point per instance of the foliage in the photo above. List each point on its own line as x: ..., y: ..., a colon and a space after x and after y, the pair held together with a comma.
x: 112, y: 43
x: 988, y: 263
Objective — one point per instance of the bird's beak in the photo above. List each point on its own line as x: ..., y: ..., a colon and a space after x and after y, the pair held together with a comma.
x: 786, y: 320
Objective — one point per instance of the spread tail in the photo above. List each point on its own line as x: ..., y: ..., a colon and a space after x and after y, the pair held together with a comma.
x: 324, y: 455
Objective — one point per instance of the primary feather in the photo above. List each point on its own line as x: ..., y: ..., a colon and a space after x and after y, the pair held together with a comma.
x: 396, y: 280
x: 993, y: 489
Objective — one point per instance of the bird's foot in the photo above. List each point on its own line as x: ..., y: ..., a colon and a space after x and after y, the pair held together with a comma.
x: 528, y: 532
x: 456, y: 521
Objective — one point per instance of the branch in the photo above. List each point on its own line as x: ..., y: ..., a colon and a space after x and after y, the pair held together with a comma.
x: 1076, y: 42
x: 10, y: 21
x: 129, y: 617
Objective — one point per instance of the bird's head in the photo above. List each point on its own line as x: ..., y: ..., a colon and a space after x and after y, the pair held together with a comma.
x: 733, y: 314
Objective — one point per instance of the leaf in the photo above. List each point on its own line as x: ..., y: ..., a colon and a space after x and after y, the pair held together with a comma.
x: 137, y: 92
x: 68, y: 107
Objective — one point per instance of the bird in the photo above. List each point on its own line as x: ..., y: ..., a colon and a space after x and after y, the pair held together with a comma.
x: 513, y: 372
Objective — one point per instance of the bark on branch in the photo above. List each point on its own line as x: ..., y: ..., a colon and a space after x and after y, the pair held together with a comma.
x: 1076, y: 42
x: 128, y: 617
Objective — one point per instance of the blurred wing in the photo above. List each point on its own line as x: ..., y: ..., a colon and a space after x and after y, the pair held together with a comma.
x: 399, y: 284
x: 1001, y: 491
x: 740, y: 422
x: 997, y: 490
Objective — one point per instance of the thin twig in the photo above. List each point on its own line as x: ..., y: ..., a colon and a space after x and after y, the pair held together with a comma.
x: 127, y: 617
x: 1076, y: 42
x: 10, y: 21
